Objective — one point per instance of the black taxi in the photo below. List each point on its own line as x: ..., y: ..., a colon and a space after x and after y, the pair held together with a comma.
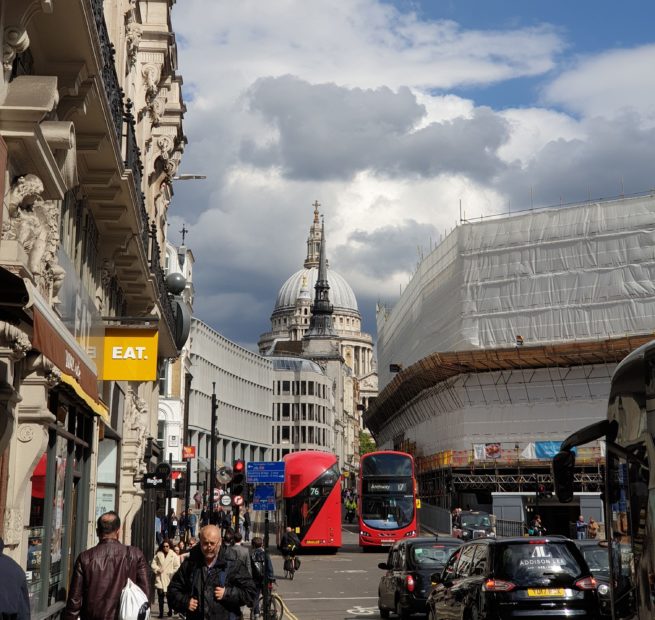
x: 405, y: 584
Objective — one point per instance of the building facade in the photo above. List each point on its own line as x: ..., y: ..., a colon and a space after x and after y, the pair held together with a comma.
x: 506, y: 339
x: 243, y: 384
x: 90, y: 139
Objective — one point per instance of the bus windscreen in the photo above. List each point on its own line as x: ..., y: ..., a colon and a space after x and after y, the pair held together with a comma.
x: 387, y: 465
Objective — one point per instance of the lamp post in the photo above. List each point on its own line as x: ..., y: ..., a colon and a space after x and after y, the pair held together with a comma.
x: 212, y: 454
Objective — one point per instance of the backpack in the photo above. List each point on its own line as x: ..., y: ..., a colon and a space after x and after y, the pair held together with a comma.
x: 258, y: 562
x: 134, y: 603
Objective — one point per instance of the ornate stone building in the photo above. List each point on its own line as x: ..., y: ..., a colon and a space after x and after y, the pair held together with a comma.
x: 316, y: 317
x: 292, y: 313
x: 90, y: 140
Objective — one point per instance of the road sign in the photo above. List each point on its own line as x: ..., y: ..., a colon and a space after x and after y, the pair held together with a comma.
x: 226, y: 500
x: 163, y: 470
x: 264, y: 493
x: 264, y: 506
x: 237, y: 500
x: 217, y: 494
x: 153, y: 481
x: 264, y: 471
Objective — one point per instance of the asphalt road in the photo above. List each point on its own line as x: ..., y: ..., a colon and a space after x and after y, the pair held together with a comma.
x: 343, y: 586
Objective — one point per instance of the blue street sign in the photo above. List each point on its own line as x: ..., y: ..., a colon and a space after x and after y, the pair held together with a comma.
x: 264, y: 493
x: 264, y: 506
x: 264, y: 471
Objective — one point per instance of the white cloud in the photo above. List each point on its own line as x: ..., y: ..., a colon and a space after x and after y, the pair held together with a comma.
x: 347, y: 103
x: 610, y: 84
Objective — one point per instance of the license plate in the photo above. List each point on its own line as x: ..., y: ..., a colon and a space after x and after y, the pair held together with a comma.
x: 546, y: 592
x: 386, y: 542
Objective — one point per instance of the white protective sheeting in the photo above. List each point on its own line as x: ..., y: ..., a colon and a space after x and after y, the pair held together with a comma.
x: 583, y: 272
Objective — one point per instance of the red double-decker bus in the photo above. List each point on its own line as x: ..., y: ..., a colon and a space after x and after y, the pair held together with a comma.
x: 311, y: 499
x: 387, y: 498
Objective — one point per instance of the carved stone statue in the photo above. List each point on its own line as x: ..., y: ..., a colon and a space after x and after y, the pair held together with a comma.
x: 34, y: 223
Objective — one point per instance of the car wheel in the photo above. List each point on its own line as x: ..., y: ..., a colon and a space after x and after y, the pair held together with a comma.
x: 384, y: 613
x: 401, y: 612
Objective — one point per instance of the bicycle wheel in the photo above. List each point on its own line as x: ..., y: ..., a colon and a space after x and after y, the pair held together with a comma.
x: 275, y: 607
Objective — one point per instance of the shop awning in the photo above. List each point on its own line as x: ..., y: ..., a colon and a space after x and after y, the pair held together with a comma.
x: 59, y: 346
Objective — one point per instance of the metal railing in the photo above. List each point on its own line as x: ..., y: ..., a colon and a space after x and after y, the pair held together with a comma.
x: 110, y: 82
x: 507, y: 527
x: 435, y: 518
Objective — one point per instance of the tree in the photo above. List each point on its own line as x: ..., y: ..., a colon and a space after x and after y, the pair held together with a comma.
x: 366, y: 443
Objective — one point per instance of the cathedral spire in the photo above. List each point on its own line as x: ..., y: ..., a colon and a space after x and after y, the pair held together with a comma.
x: 320, y: 323
x: 314, y: 239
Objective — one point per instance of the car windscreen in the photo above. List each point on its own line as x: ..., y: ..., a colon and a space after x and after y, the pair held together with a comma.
x: 538, y: 563
x: 387, y: 513
x: 431, y: 555
x: 476, y: 521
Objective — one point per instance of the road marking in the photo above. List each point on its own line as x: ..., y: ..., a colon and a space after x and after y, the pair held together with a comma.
x: 351, y: 571
x: 362, y: 611
x: 332, y: 598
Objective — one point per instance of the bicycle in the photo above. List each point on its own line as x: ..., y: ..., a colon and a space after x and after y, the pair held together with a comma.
x: 271, y: 601
x: 289, y: 566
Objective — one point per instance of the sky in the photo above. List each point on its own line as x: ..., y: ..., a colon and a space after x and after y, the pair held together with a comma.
x: 390, y: 114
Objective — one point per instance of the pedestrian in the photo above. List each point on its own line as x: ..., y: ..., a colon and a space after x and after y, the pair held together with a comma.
x: 246, y: 525
x: 172, y: 524
x: 192, y: 522
x: 536, y: 528
x: 159, y: 537
x: 262, y: 571
x: 580, y: 528
x: 164, y: 565
x: 226, y: 522
x: 212, y: 584
x: 242, y: 552
x: 197, y: 498
x: 592, y: 528
x: 14, y: 598
x: 101, y: 573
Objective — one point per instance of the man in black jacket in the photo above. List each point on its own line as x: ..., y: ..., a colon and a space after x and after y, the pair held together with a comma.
x: 14, y: 601
x: 211, y: 583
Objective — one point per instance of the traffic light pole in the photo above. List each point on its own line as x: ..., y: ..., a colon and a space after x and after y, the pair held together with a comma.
x: 187, y: 498
x: 212, y: 455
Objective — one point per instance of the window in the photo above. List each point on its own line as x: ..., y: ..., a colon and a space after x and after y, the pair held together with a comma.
x: 465, y: 561
x: 285, y: 411
x: 286, y: 387
x: 285, y: 433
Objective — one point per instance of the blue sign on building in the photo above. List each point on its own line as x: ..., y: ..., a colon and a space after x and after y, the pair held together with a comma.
x: 265, y: 471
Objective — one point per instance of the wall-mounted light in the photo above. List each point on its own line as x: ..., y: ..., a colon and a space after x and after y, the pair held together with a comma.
x: 395, y: 367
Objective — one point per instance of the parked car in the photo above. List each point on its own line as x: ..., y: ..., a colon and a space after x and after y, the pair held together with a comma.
x: 596, y: 554
x: 514, y: 577
x: 406, y: 582
x: 473, y: 524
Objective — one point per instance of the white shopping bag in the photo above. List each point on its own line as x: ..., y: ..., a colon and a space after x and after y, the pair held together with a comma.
x: 134, y: 603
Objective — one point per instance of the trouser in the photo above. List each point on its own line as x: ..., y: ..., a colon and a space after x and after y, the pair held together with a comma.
x: 161, y: 596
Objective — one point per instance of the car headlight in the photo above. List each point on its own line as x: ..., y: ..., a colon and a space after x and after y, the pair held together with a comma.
x: 603, y: 589
x: 491, y: 534
x: 363, y: 533
x: 411, y: 533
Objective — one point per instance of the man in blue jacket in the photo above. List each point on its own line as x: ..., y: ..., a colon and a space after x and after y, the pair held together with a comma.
x: 14, y: 600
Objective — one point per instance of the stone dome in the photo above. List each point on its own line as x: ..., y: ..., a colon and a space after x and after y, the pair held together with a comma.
x: 341, y: 295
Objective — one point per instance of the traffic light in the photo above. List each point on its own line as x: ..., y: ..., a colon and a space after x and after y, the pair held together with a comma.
x: 180, y: 486
x: 238, y: 485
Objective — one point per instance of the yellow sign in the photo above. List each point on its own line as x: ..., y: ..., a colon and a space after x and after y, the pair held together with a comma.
x: 129, y: 354
x: 418, y: 502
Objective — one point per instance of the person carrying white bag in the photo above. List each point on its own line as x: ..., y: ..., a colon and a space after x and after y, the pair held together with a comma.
x: 101, y: 574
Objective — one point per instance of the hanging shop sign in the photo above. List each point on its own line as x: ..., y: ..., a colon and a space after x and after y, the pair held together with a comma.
x: 129, y: 354
x: 188, y: 452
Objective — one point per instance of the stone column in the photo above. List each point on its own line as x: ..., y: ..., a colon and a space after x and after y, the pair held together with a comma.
x: 136, y: 425
x: 29, y: 444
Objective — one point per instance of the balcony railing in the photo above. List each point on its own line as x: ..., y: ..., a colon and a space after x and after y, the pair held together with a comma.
x: 113, y: 90
x: 133, y: 162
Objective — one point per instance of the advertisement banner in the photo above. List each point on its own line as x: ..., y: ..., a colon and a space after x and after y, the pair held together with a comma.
x: 492, y: 450
x: 188, y: 452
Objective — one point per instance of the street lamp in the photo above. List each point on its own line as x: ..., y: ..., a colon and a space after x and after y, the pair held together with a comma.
x: 189, y: 177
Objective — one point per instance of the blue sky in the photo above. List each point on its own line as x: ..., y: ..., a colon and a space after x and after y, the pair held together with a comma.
x: 390, y: 114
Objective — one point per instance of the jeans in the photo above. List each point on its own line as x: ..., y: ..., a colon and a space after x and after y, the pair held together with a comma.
x: 580, y: 535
